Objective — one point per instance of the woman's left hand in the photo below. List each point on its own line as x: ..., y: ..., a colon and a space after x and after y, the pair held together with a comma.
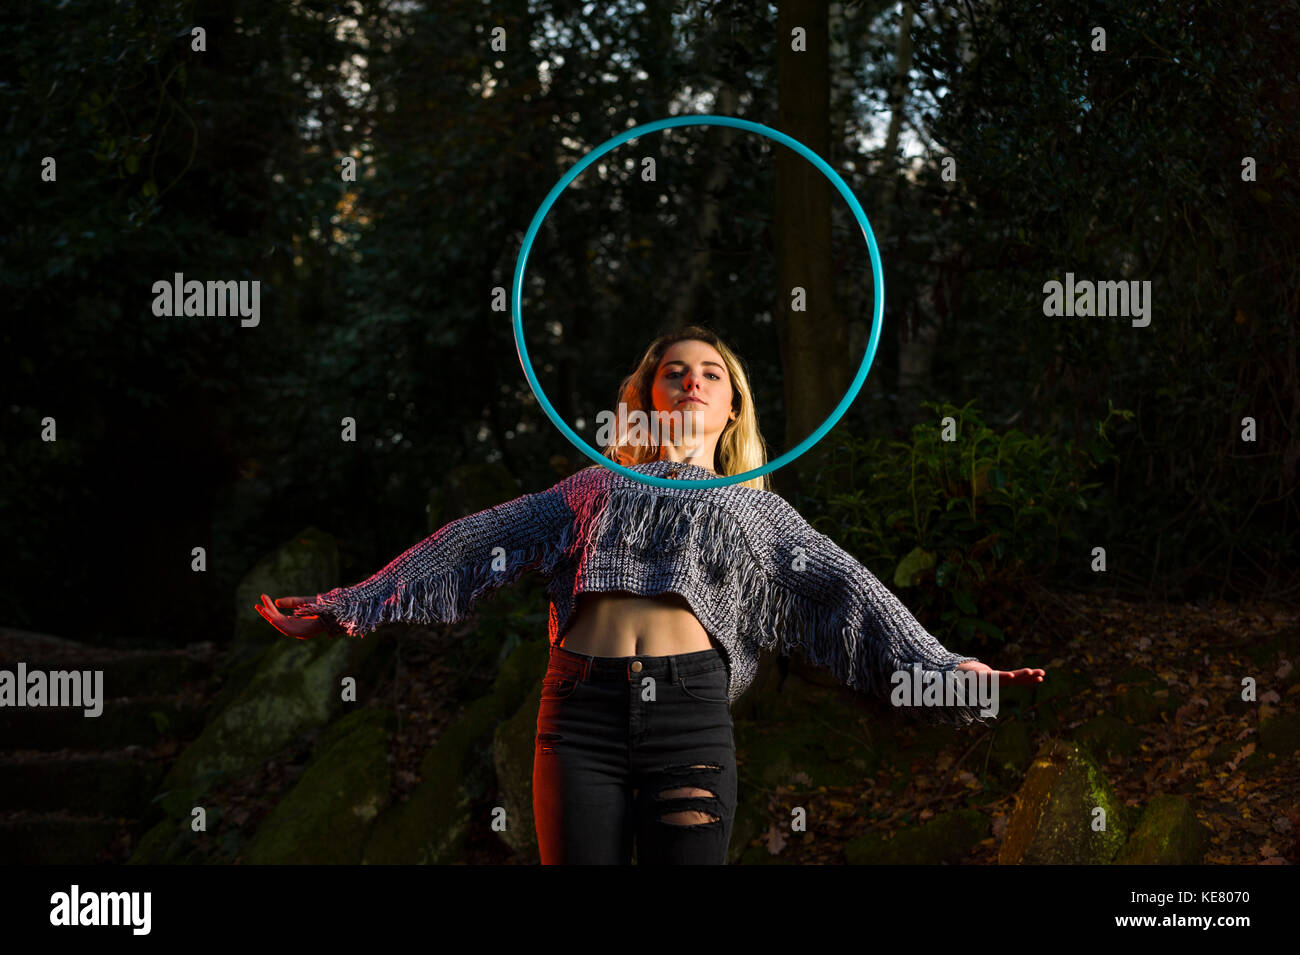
x: 1025, y: 676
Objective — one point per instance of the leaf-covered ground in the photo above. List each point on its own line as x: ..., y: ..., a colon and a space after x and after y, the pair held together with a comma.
x: 1198, y: 739
x: 1207, y: 749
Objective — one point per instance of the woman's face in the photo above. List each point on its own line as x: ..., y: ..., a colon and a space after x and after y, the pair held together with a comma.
x: 695, y: 369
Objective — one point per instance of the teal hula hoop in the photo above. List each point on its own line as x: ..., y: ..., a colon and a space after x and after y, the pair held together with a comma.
x: 877, y: 274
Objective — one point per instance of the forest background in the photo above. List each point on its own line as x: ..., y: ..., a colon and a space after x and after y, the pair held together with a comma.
x: 994, y: 147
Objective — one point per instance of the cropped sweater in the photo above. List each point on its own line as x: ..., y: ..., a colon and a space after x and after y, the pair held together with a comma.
x: 755, y: 573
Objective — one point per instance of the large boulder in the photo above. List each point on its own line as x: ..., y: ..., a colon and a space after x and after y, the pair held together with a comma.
x: 1167, y: 834
x: 326, y: 817
x: 430, y: 827
x: 305, y: 565
x: 295, y: 690
x: 276, y: 692
x: 514, y: 747
x: 1066, y: 812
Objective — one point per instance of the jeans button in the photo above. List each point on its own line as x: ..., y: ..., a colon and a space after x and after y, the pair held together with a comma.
x: 636, y: 666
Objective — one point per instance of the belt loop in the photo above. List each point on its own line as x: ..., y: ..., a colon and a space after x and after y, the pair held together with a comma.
x: 672, y: 670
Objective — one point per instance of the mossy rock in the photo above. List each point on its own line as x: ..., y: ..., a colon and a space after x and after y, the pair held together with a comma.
x: 1107, y: 735
x: 1168, y: 833
x: 325, y: 818
x: 169, y: 842
x: 1056, y: 809
x: 430, y: 827
x: 306, y: 565
x: 946, y: 839
x: 514, y: 749
x: 294, y: 692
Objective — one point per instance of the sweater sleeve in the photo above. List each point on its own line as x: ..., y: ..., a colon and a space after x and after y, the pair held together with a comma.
x: 843, y: 618
x: 440, y: 578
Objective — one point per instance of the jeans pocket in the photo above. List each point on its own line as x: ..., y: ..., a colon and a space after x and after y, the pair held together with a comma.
x: 558, y: 686
x: 707, y: 687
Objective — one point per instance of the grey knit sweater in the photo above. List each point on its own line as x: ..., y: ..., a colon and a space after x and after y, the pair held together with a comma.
x: 756, y: 574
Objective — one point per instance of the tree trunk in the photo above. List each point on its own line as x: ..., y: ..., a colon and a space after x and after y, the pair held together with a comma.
x: 814, y: 343
x: 897, y: 97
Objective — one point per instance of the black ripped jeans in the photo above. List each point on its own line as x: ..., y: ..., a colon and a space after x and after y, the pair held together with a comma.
x: 626, y: 748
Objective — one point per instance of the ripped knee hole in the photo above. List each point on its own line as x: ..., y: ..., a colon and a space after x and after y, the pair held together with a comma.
x: 688, y: 817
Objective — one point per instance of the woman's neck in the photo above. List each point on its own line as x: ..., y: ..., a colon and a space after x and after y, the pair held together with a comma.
x: 667, y: 460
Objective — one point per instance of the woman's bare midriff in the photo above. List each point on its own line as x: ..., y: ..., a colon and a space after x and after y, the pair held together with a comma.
x: 622, y: 624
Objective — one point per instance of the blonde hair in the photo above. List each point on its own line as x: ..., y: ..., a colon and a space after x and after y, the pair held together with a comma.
x: 740, y: 447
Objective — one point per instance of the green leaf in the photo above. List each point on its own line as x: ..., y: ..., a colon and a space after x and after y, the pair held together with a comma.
x: 911, y: 565
x: 964, y: 601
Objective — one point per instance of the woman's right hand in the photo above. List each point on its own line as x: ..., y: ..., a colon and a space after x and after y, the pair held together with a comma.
x: 303, y: 628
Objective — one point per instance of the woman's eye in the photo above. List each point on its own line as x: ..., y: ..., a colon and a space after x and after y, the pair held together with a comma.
x: 678, y: 374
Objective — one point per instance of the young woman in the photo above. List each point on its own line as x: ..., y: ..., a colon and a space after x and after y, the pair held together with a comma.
x: 661, y: 599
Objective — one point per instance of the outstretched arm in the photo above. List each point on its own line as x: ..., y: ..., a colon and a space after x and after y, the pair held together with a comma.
x: 441, y: 578
x: 843, y: 618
